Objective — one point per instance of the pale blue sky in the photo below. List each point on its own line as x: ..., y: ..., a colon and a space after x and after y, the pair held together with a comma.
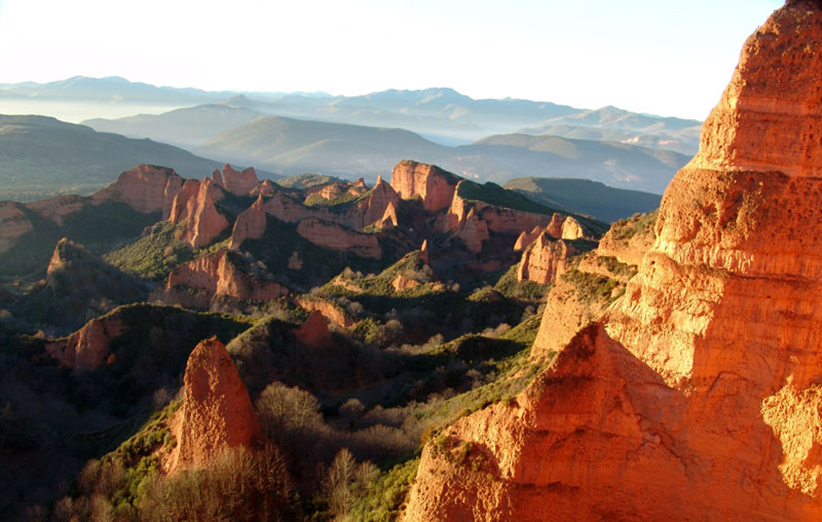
x: 663, y: 57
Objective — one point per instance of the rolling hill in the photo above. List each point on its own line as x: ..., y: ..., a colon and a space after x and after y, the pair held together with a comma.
x: 41, y: 157
x: 589, y: 197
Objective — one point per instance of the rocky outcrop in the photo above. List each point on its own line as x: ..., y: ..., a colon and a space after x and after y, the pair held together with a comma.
x: 222, y: 274
x: 237, y: 183
x: 526, y: 238
x: 314, y: 332
x: 329, y: 310
x: 216, y: 414
x: 377, y: 205
x: 571, y: 229
x: 250, y: 224
x: 13, y: 224
x: 266, y: 188
x: 544, y: 260
x: 88, y: 348
x: 196, y: 204
x: 696, y: 396
x: 336, y: 237
x: 628, y: 240
x: 145, y: 188
x: 472, y: 231
x: 434, y: 186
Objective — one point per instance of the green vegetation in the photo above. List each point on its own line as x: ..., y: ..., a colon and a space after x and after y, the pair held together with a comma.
x: 33, y: 250
x: 641, y: 224
x: 616, y: 267
x: 155, y: 254
x: 382, y: 501
x: 496, y: 195
x: 508, y: 286
x: 304, y: 181
x: 591, y: 287
x: 585, y: 197
x: 316, y: 200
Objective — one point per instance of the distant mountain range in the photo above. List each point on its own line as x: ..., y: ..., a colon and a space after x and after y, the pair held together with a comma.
x: 292, y: 146
x: 439, y: 114
x: 42, y: 156
x: 364, y: 136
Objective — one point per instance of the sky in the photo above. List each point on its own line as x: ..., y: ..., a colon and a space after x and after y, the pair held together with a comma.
x: 666, y: 57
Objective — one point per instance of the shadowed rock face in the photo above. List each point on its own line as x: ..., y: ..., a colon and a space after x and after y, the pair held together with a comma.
x: 697, y: 395
x: 217, y: 413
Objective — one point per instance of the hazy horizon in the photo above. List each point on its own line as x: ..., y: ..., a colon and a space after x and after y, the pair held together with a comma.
x: 648, y: 57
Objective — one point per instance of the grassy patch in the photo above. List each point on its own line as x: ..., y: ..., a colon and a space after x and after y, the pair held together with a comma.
x: 155, y: 254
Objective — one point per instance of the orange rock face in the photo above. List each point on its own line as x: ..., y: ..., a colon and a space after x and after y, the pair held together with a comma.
x: 544, y: 260
x: 217, y: 413
x: 216, y: 275
x: 145, y: 188
x: 250, y: 224
x: 314, y: 332
x: 87, y: 348
x: 239, y: 183
x: 336, y: 237
x: 196, y: 205
x: 430, y: 183
x: 697, y: 394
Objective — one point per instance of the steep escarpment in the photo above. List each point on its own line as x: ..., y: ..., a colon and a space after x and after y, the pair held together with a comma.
x: 695, y: 396
x: 434, y: 186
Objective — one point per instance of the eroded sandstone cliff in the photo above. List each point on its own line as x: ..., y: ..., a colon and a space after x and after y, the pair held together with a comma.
x: 696, y: 396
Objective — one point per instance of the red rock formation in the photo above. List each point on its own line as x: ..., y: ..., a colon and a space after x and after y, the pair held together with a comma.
x: 239, y: 183
x: 87, y: 348
x: 250, y: 224
x: 554, y: 228
x: 329, y: 310
x: 473, y: 231
x: 314, y: 331
x: 389, y: 218
x: 203, y: 221
x: 180, y: 207
x: 571, y: 229
x: 145, y: 188
x: 430, y: 183
x: 526, y: 238
x: 544, y: 260
x: 13, y: 224
x: 216, y: 414
x: 379, y: 203
x: 629, y: 240
x: 401, y: 282
x: 266, y: 188
x: 336, y: 237
x: 216, y: 275
x: 424, y: 253
x: 698, y: 395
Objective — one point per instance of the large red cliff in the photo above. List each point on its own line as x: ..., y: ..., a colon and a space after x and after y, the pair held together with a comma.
x: 428, y: 182
x: 145, y: 188
x: 697, y: 395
